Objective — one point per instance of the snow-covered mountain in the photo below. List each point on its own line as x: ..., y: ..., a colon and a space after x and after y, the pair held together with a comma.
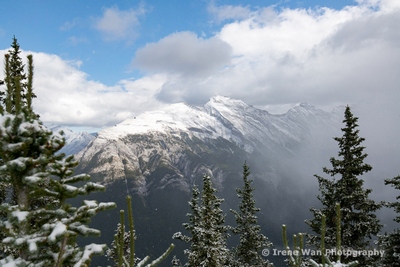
x: 172, y: 135
x: 221, y: 117
x: 159, y: 155
x: 74, y: 141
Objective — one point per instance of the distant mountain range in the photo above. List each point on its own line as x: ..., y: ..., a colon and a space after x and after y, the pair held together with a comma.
x: 159, y: 155
x: 74, y: 141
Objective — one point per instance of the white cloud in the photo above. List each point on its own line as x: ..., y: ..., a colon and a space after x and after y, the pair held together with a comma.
x: 68, y: 25
x: 118, y: 24
x: 66, y: 96
x: 272, y: 34
x: 323, y: 56
x: 184, y: 53
x: 383, y: 5
x: 189, y: 61
x: 226, y: 12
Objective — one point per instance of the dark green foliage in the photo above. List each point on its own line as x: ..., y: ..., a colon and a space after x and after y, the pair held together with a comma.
x: 248, y: 252
x: 208, y: 233
x: 38, y: 226
x: 395, y: 182
x: 359, y: 222
x: 391, y: 242
x: 41, y: 227
x: 15, y: 76
x: 11, y: 103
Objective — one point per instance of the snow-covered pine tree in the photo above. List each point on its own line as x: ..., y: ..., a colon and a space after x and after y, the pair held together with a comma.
x: 391, y: 242
x: 66, y: 222
x: 39, y: 227
x: 194, y: 227
x: 252, y: 241
x: 359, y: 221
x: 208, y: 234
x: 14, y: 75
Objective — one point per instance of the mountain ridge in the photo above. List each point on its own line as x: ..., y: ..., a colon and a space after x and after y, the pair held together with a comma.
x: 74, y: 141
x: 220, y: 117
x: 175, y: 129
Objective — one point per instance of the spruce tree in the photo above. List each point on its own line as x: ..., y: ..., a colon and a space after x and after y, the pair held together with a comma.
x: 208, y: 234
x: 358, y: 222
x: 16, y: 90
x: 15, y: 76
x: 194, y: 227
x: 391, y: 242
x: 248, y: 252
x: 39, y: 227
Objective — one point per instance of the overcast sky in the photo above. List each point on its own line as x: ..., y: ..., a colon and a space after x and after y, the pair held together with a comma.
x: 100, y: 62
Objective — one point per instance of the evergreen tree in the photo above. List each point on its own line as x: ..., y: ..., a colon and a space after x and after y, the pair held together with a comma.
x: 194, y: 227
x: 14, y: 73
x: 391, y: 242
x: 358, y: 222
x: 248, y: 252
x: 15, y: 70
x: 208, y: 234
x: 39, y: 227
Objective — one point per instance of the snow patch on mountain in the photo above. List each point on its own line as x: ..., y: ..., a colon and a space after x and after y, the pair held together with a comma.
x: 173, y: 118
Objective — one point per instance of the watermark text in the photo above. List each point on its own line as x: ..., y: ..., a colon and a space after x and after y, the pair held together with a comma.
x: 328, y: 252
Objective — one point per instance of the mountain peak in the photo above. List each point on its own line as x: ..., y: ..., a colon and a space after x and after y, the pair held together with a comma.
x: 306, y: 105
x: 304, y: 108
x: 226, y: 101
x: 169, y: 117
x: 75, y: 141
x: 200, y: 121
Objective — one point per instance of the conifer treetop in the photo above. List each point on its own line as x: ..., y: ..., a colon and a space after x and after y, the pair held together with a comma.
x: 207, y: 232
x: 351, y: 162
x: 16, y: 80
x: 345, y: 186
x: 251, y: 240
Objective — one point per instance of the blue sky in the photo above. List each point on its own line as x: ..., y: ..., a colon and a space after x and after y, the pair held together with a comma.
x: 67, y: 28
x: 100, y: 62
